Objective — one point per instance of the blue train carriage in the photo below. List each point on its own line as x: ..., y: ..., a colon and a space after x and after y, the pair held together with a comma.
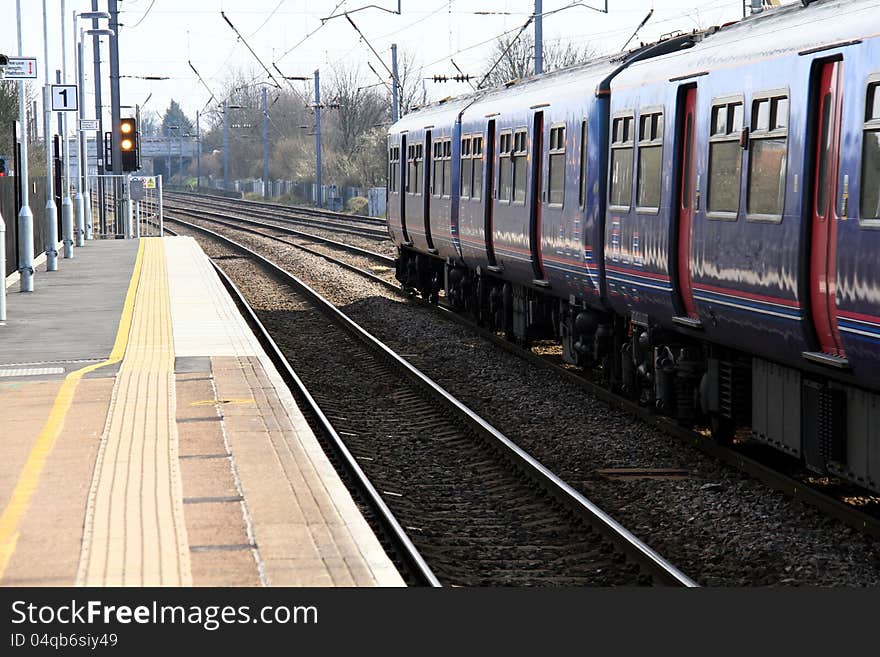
x: 519, y: 239
x: 531, y: 233
x: 742, y: 213
x: 420, y: 163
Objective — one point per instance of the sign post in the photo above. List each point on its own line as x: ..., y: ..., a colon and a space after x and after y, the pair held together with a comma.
x: 21, y: 68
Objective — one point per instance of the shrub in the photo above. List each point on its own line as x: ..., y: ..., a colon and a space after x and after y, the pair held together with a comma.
x: 357, y: 205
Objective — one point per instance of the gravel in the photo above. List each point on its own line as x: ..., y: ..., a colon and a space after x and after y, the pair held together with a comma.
x: 717, y: 525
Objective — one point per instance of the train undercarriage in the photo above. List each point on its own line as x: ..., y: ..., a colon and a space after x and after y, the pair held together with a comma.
x: 819, y: 421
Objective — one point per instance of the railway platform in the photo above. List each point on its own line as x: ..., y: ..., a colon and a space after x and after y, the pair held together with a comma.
x: 146, y: 439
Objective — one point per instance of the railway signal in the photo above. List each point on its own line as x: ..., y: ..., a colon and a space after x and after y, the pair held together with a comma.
x: 129, y: 145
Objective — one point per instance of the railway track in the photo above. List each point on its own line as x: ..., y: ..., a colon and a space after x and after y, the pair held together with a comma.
x: 347, y: 224
x: 280, y: 207
x: 478, y: 508
x: 846, y: 503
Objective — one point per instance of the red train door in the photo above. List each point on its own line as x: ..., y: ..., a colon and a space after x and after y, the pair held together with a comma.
x: 489, y: 193
x: 427, y: 189
x: 686, y: 202
x: 535, y: 196
x: 404, y: 180
x: 823, y: 248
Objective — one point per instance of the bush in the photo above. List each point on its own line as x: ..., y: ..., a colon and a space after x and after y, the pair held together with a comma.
x: 357, y: 205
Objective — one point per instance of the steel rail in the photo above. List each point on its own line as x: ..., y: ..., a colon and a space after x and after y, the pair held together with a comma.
x: 326, y: 256
x: 317, y: 212
x: 646, y: 557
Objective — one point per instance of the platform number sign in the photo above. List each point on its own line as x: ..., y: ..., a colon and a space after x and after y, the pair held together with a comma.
x: 64, y: 98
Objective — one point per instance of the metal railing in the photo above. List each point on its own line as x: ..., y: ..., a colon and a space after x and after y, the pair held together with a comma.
x: 124, y: 206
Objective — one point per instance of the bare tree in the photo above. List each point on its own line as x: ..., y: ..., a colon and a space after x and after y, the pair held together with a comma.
x: 360, y: 109
x: 412, y: 87
x: 513, y: 58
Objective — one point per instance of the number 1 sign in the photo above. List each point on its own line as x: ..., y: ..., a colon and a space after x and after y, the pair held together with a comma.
x: 64, y: 98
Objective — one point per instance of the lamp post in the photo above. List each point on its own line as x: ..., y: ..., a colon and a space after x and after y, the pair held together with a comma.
x: 51, y: 214
x: 83, y: 201
x: 25, y: 216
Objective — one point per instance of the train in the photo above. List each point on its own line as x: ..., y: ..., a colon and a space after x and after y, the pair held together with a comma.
x: 697, y: 221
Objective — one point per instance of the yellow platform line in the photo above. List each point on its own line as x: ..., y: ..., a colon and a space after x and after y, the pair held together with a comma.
x: 29, y: 478
x: 134, y: 533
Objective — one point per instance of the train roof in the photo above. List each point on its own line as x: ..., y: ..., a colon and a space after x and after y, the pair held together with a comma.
x: 554, y: 86
x: 770, y: 34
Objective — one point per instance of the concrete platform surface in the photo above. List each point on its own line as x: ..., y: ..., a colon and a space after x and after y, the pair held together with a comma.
x: 154, y: 443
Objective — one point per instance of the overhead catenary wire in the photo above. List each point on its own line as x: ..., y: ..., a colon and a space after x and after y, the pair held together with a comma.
x: 506, y: 50
x: 142, y: 18
x: 247, y: 45
x: 303, y: 40
x: 204, y: 84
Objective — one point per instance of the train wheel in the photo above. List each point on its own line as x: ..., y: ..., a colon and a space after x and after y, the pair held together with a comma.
x: 723, y: 429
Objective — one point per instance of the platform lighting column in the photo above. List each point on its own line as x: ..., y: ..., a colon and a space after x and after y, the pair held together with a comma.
x: 99, y: 114
x: 116, y: 113
x: 25, y: 216
x: 265, y: 146
x: 51, y: 216
x: 180, y: 154
x: 66, y: 202
x: 320, y: 194
x: 81, y: 201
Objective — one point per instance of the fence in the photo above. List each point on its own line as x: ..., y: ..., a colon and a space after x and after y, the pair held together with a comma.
x: 9, y: 209
x: 146, y: 195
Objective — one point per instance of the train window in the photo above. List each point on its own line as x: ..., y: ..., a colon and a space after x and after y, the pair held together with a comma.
x: 556, y: 164
x: 870, y: 181
x: 477, y: 155
x: 467, y: 168
x: 442, y: 168
x: 767, y: 158
x: 520, y: 156
x: 415, y: 169
x: 410, y: 168
x: 437, y: 162
x: 447, y: 167
x: 725, y: 159
x: 393, y: 167
x: 650, y: 172
x: 622, y: 162
x: 505, y: 166
x: 582, y: 181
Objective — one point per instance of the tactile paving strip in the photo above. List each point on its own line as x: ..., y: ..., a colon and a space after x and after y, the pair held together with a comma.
x: 135, y: 533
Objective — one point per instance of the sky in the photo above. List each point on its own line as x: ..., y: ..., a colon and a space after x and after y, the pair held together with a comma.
x: 159, y: 37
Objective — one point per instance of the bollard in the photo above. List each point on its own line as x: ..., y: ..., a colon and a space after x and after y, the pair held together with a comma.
x: 79, y: 204
x: 87, y: 214
x: 2, y: 269
x: 67, y: 225
x: 51, y: 238
x: 26, y: 248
